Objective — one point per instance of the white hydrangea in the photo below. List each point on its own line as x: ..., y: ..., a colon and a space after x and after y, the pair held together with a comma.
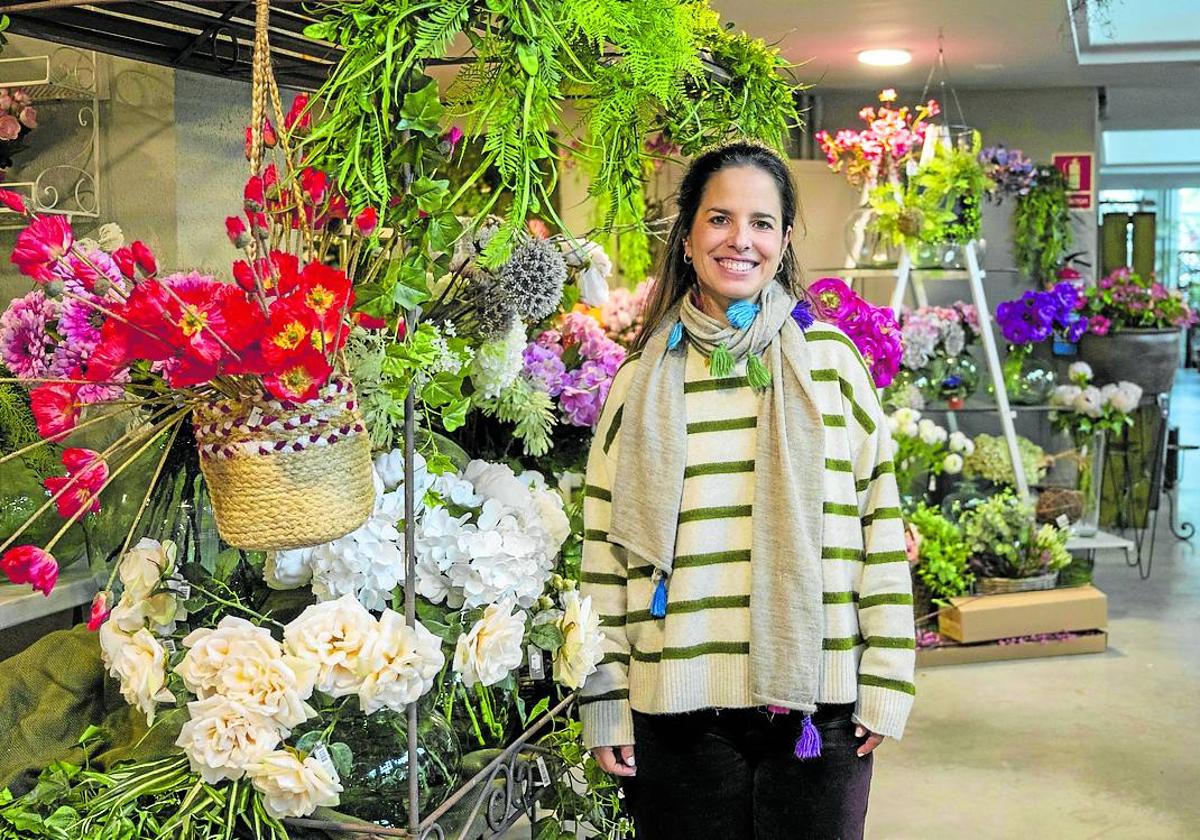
x: 1064, y: 396
x: 1124, y: 396
x: 1089, y: 402
x: 504, y: 549
x: 498, y: 363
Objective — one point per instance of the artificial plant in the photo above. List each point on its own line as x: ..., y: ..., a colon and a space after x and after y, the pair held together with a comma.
x: 1042, y: 226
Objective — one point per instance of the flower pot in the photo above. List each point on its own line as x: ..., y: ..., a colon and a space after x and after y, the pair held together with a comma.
x: 996, y: 586
x: 955, y: 403
x: 866, y: 247
x: 286, y: 475
x: 1027, y: 379
x: 1146, y: 357
x: 953, y: 378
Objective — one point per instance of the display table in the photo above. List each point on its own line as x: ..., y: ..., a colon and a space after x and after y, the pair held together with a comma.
x: 19, y: 603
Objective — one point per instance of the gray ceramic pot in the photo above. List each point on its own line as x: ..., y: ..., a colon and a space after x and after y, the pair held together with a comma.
x: 1147, y: 357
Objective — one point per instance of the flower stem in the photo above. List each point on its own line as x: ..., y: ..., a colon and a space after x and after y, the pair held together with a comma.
x: 233, y: 605
x: 142, y: 508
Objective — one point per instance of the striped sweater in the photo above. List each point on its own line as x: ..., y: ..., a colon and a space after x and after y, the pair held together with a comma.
x: 698, y: 655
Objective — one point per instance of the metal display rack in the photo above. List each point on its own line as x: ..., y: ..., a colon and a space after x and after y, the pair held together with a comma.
x: 70, y: 187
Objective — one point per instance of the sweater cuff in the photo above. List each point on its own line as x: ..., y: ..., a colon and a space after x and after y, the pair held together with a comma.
x: 606, y: 723
x: 883, y: 711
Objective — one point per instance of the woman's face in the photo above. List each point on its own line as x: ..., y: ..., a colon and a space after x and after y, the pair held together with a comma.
x: 737, y: 238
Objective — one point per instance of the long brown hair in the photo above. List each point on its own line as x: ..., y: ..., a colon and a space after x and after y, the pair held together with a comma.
x: 676, y: 277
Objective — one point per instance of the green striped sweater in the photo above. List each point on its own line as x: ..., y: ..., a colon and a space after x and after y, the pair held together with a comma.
x: 697, y: 657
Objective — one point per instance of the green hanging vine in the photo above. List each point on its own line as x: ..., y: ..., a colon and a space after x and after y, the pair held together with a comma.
x: 1042, y: 226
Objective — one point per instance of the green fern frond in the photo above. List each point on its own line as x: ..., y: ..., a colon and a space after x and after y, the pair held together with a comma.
x: 436, y: 32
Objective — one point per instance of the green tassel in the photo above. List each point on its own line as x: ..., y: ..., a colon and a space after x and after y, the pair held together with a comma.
x: 720, y: 362
x: 757, y: 373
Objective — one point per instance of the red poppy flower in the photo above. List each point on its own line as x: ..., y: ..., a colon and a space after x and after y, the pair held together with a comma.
x: 187, y: 371
x: 101, y: 609
x: 197, y: 311
x: 325, y: 290
x: 289, y: 332
x: 366, y: 221
x: 144, y: 258
x: 254, y: 195
x: 300, y: 379
x: 338, y: 207
x: 287, y: 267
x: 86, y: 474
x: 32, y: 565
x: 148, y: 333
x: 55, y: 407
x: 44, y: 241
x: 123, y: 257
x: 315, y: 185
x: 367, y: 322
x: 298, y: 118
x: 76, y: 498
x: 86, y: 463
x: 244, y: 319
x: 13, y: 202
x: 243, y: 275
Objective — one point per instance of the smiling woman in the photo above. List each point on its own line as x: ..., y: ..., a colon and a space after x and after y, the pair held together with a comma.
x: 754, y: 693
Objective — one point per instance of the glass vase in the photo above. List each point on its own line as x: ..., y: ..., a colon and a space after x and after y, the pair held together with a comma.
x: 866, y: 247
x: 376, y: 786
x: 1089, y: 483
x: 1070, y: 494
x: 953, y: 379
x: 1027, y: 380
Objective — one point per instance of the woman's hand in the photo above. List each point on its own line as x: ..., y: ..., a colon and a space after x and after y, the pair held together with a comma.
x: 616, y: 761
x: 868, y: 746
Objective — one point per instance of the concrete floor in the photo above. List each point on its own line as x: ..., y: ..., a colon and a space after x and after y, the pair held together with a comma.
x: 1097, y: 746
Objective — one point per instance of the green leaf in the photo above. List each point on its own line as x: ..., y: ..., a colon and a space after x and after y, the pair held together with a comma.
x: 343, y: 758
x: 374, y: 299
x: 321, y: 31
x: 422, y: 111
x: 537, y: 711
x: 455, y: 415
x: 441, y: 232
x: 307, y: 742
x: 92, y: 733
x: 429, y: 193
x: 527, y: 55
x: 546, y: 829
x: 546, y: 636
x: 227, y: 562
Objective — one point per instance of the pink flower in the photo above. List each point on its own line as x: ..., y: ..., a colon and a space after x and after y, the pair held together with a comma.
x: 13, y: 202
x: 30, y: 564
x: 1099, y: 325
x: 100, y: 611
x: 86, y: 475
x: 298, y: 118
x: 10, y: 127
x: 453, y: 138
x: 25, y: 347
x: 55, y: 407
x: 28, y: 117
x: 43, y: 242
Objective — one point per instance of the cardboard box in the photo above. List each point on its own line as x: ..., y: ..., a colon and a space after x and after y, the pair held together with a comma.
x: 1096, y: 642
x: 985, y: 618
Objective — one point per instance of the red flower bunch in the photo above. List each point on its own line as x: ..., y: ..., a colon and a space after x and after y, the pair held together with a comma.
x: 77, y: 490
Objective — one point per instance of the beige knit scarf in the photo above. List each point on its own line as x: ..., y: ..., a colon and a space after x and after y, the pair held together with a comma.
x: 786, y: 614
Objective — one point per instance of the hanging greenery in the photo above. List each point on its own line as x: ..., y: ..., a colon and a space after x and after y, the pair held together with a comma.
x: 1042, y: 226
x: 631, y: 68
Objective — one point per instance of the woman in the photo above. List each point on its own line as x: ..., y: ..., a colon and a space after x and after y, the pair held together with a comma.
x: 743, y: 539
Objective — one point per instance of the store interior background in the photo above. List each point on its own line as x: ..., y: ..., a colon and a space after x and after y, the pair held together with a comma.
x: 1099, y: 746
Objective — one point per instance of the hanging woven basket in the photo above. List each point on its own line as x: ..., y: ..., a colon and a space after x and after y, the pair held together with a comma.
x: 286, y: 475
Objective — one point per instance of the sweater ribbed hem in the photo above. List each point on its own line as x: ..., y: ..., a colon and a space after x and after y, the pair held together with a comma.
x: 882, y: 710
x: 606, y: 723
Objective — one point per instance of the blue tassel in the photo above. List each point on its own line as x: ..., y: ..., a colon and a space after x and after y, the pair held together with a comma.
x: 741, y: 314
x: 658, y: 604
x: 676, y: 336
x: 802, y: 314
x: 808, y: 745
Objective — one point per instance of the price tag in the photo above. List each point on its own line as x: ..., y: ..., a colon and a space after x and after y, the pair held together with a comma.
x: 169, y: 645
x: 321, y: 754
x: 1062, y: 521
x: 181, y: 588
x: 543, y: 772
x: 537, y: 665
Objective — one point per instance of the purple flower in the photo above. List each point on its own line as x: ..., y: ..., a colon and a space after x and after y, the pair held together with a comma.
x: 1076, y: 327
x: 584, y: 393
x: 545, y: 367
x: 26, y: 348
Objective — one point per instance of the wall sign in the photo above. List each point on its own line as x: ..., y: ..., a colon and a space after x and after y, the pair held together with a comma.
x: 1077, y: 168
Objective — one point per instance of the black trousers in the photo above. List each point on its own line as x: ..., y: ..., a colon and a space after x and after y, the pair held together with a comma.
x: 731, y: 774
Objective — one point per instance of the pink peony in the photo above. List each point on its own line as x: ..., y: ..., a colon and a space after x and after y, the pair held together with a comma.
x: 10, y: 127
x: 28, y: 117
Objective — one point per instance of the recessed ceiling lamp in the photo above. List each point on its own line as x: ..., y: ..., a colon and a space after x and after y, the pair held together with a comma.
x: 885, y: 58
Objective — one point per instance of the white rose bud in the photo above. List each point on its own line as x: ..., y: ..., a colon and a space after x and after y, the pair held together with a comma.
x: 291, y: 787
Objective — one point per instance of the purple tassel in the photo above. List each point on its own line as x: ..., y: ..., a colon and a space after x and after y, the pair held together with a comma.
x: 808, y: 745
x: 802, y: 314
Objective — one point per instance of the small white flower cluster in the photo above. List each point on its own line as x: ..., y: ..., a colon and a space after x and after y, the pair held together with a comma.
x: 499, y: 362
x: 502, y: 547
x: 367, y: 563
x: 908, y: 423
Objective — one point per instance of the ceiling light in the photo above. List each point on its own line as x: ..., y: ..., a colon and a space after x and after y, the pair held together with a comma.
x: 885, y: 58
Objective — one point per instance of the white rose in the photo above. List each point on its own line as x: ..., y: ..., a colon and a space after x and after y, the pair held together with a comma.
x: 904, y: 416
x: 550, y: 510
x: 110, y: 237
x: 1080, y: 373
x: 224, y: 738
x: 144, y: 565
x: 961, y: 443
x: 288, y: 569
x: 291, y: 787
x: 952, y: 464
x: 243, y: 662
x: 400, y: 665
x: 492, y: 647
x: 334, y: 635
x: 1089, y: 402
x: 1126, y: 397
x: 1065, y: 395
x: 930, y: 432
x: 581, y: 648
x: 139, y: 663
x: 497, y: 481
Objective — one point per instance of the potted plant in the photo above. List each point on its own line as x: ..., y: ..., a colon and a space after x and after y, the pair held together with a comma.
x: 1085, y: 413
x: 1135, y: 324
x: 940, y: 556
x: 1042, y: 226
x: 1009, y: 551
x: 935, y: 340
x: 924, y: 450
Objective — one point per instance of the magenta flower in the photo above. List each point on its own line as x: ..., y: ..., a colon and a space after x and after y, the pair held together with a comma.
x: 1099, y: 325
x: 26, y: 347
